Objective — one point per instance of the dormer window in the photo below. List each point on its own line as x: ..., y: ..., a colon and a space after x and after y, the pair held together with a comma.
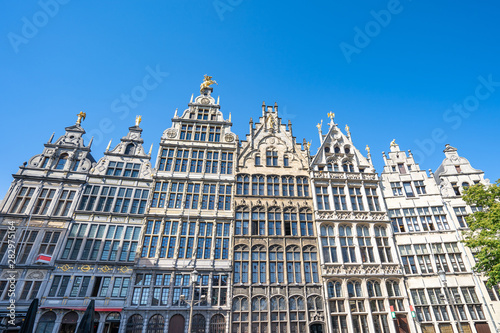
x: 203, y: 114
x: 61, y: 162
x: 286, y: 162
x: 401, y: 168
x: 465, y: 185
x: 130, y: 149
x: 458, y: 169
x: 257, y: 160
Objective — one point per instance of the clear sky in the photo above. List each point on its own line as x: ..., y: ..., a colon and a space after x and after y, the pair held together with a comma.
x: 423, y: 72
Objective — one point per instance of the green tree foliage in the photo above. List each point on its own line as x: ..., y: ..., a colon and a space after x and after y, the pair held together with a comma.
x: 484, y: 234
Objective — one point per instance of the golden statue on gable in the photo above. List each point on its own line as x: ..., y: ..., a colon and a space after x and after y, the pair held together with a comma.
x: 207, y: 82
x: 81, y: 116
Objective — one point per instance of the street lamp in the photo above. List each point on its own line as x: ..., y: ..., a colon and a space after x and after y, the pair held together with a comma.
x: 203, y: 298
x: 442, y: 277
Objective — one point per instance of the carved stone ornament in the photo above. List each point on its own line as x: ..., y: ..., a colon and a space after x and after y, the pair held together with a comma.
x: 36, y: 275
x: 49, y: 152
x: 172, y: 133
x: 205, y: 100
x: 229, y: 137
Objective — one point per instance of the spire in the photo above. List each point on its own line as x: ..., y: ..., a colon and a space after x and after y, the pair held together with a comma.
x: 218, y: 100
x: 348, y: 131
x: 331, y: 115
x: 191, y: 101
x: 90, y: 142
x: 320, y: 132
x: 175, y: 114
x: 150, y: 150
x: 51, y: 137
x: 109, y: 145
x: 229, y: 115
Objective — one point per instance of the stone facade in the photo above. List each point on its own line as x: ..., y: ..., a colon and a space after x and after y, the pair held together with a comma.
x: 257, y: 235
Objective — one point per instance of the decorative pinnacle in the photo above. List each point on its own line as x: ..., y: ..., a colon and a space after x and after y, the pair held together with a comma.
x: 367, y: 149
x: 347, y: 129
x: 319, y: 125
x: 81, y: 116
x: 138, y: 120
x: 393, y: 143
x: 331, y: 115
x: 309, y: 145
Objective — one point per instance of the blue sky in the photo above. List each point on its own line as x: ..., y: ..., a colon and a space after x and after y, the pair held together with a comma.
x: 422, y: 72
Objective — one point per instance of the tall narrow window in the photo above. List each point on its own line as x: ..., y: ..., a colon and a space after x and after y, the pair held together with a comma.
x: 259, y: 264
x: 347, y: 244
x: 61, y: 162
x: 328, y: 243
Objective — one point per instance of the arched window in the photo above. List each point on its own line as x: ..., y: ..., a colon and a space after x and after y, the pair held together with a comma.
x: 374, y: 289
x: 242, y: 184
x: 156, y: 324
x: 395, y: 298
x: 69, y: 322
x: 347, y: 167
x: 347, y: 244
x: 61, y: 162
x: 365, y: 244
x: 375, y: 296
x: 384, y: 249
x: 354, y: 289
x: 46, y: 322
x: 276, y: 265
x: 347, y: 150
x: 258, y: 221
x: 334, y: 289
x: 258, y: 185
x: 337, y: 149
x: 310, y: 256
x: 465, y: 185
x: 274, y: 221
x: 328, y: 243
x: 240, y: 314
x: 306, y: 225
x: 336, y: 167
x: 134, y: 324
x: 130, y: 149
x: 290, y: 217
x: 302, y: 186
x: 198, y: 324
x: 278, y: 315
x: 242, y: 221
x: 259, y: 314
x: 297, y: 314
x: 288, y: 186
x: 259, y: 264
x: 241, y: 264
x: 273, y: 186
x: 315, y: 305
x: 112, y: 323
x: 293, y: 263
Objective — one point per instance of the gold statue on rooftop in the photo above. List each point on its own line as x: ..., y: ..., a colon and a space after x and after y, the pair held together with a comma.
x: 207, y: 82
x: 393, y: 143
x: 138, y: 120
x: 81, y: 116
x: 331, y: 115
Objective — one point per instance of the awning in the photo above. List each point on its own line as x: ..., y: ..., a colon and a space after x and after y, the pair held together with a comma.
x: 77, y: 308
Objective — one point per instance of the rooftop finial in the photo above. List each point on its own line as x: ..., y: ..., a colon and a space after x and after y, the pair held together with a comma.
x: 109, y: 145
x: 218, y: 100
x: 331, y: 115
x: 138, y: 120
x: 51, y: 137
x: 348, y: 130
x: 367, y: 149
x: 191, y: 101
x: 81, y: 116
x: 207, y: 82
x: 393, y: 143
x: 150, y: 150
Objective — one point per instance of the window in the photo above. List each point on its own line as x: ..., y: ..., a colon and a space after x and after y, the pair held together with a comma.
x: 259, y: 314
x: 208, y: 197
x: 259, y: 264
x: 61, y: 162
x: 59, y: 285
x: 273, y: 186
x: 395, y: 297
x: 219, y: 289
x: 461, y: 214
x: 396, y: 220
x: 411, y: 219
x: 30, y: 290
x: 224, y: 197
x: 122, y: 202
x: 49, y: 242
x: 274, y: 221
x: 130, y: 149
x: 242, y: 221
x: 365, y: 244
x: 166, y: 159
x: 347, y: 244
x: 439, y: 215
x: 293, y: 263
x: 455, y: 257
x: 322, y: 198
x: 175, y: 197
x: 64, y: 203
x: 212, y: 162
x: 401, y: 168
x: 241, y: 262
x: 22, y: 200
x: 372, y: 197
x: 271, y: 158
x: 258, y: 221
x: 204, y: 240
x: 221, y: 241
x: 493, y: 292
x: 276, y: 265
x: 458, y: 169
x: 384, y: 249
x: 339, y: 198
x: 310, y: 264
x: 25, y: 245
x: 408, y: 189
x: 408, y: 259
x: 141, y: 289
x: 420, y: 187
x: 80, y: 286
x: 169, y: 238
x: 240, y: 314
x: 44, y: 201
x: 288, y: 186
x: 134, y: 324
x: 297, y: 314
x: 306, y: 225
x: 286, y: 163
x: 290, y: 222
x: 328, y: 244
x: 397, y: 190
x: 356, y: 198
x: 456, y: 189
x: 242, y: 184
x: 226, y: 164
x: 278, y: 314
x: 302, y: 187
x: 423, y: 258
x: 257, y: 160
